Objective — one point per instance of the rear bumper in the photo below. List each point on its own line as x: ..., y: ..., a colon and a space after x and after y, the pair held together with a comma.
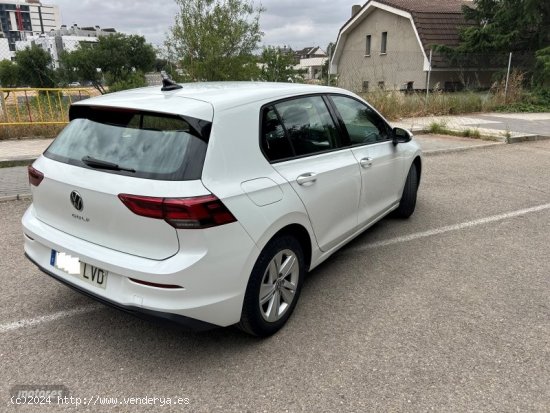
x: 212, y: 269
x: 150, y: 315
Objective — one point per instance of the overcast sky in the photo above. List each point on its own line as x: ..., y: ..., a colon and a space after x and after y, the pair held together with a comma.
x: 296, y: 23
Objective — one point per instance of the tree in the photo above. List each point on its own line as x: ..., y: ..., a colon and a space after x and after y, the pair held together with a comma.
x: 497, y: 27
x: 328, y: 79
x: 506, y: 26
x: 117, y: 60
x: 277, y: 65
x: 85, y: 64
x: 9, y: 74
x: 35, y: 67
x: 215, y: 39
x: 542, y: 67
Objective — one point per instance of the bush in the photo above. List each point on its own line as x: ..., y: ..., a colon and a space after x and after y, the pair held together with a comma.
x: 396, y: 104
x: 136, y: 79
x: 534, y: 102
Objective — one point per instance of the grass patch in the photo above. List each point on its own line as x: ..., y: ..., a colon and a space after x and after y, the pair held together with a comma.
x: 535, y: 102
x: 11, y: 164
x: 29, y: 131
x: 440, y: 128
x: 396, y: 104
x: 471, y: 133
x: 22, y: 111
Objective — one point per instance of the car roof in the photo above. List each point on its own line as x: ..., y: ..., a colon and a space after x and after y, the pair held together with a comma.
x: 192, y: 97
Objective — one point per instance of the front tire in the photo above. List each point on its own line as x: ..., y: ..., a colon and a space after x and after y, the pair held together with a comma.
x: 408, y: 200
x: 274, y: 287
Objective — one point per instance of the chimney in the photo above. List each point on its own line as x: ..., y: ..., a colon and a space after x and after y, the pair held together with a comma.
x: 355, y: 9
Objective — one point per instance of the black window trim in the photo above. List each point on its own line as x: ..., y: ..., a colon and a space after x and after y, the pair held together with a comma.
x: 342, y: 124
x: 323, y: 96
x: 200, y: 129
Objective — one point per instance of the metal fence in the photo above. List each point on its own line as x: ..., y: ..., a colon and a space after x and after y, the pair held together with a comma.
x: 43, y: 106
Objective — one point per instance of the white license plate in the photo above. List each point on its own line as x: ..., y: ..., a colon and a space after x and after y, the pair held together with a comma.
x: 73, y: 266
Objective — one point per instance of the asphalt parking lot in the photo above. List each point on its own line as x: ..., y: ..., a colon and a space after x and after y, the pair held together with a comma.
x: 447, y: 311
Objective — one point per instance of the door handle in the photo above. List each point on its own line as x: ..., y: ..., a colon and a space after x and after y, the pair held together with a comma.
x: 309, y: 177
x: 366, y: 162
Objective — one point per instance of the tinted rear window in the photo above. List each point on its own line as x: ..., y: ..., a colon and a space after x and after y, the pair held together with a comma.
x: 155, y: 146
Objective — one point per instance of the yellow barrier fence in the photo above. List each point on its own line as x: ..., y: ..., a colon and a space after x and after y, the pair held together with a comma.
x: 39, y: 106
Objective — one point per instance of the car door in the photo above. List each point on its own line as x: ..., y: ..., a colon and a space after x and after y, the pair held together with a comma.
x: 300, y: 139
x: 379, y: 159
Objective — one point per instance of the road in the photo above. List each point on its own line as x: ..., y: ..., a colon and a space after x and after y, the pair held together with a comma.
x: 447, y: 311
x: 14, y: 181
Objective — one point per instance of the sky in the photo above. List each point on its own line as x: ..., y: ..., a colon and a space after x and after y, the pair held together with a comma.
x: 294, y: 23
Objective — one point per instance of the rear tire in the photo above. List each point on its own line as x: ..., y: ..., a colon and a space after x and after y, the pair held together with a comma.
x: 408, y: 200
x: 273, y: 288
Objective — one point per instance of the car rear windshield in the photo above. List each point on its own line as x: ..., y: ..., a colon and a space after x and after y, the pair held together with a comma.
x: 133, y: 143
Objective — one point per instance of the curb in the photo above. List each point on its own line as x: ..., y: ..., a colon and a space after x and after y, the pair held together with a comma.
x: 518, y: 138
x: 18, y: 197
x: 457, y: 134
x: 9, y: 163
x: 436, y: 152
x: 527, y: 138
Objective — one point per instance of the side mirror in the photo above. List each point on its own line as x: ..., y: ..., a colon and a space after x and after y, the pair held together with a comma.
x: 401, y: 135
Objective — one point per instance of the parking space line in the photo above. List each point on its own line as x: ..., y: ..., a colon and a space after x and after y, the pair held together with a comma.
x: 448, y: 228
x: 30, y: 322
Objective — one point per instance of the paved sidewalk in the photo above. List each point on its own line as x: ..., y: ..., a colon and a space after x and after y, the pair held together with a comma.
x: 524, y: 126
x: 519, y: 126
x: 505, y: 127
x: 14, y: 182
x: 22, y: 149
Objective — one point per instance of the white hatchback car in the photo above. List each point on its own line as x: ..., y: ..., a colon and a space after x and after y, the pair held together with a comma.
x: 206, y: 203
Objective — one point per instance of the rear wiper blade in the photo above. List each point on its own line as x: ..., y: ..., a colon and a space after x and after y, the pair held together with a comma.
x: 99, y: 164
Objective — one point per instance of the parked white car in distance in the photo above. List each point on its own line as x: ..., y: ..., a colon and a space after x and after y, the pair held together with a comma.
x: 207, y: 203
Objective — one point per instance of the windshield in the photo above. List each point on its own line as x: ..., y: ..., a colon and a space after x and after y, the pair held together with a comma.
x: 141, y: 144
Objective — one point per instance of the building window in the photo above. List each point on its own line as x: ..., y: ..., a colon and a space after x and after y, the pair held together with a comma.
x: 384, y: 45
x: 365, y: 85
x: 367, y: 45
x: 381, y: 85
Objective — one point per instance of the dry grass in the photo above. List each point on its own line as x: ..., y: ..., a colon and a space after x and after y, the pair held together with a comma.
x: 25, y: 113
x: 392, y: 104
x: 440, y: 128
x: 29, y: 131
x: 395, y: 104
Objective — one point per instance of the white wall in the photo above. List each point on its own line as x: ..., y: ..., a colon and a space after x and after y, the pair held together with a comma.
x: 402, y: 63
x: 5, y: 53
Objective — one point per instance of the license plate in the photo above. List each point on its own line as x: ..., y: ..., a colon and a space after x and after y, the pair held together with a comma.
x: 73, y: 266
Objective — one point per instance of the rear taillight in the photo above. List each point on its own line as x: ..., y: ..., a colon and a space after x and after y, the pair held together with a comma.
x: 182, y: 213
x: 35, y: 176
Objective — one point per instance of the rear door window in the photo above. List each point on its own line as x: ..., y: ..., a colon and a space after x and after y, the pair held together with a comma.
x: 297, y: 127
x: 141, y: 144
x: 275, y: 143
x: 362, y: 123
x: 308, y: 124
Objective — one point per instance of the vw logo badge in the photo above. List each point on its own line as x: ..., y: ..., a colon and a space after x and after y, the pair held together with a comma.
x: 76, y: 200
